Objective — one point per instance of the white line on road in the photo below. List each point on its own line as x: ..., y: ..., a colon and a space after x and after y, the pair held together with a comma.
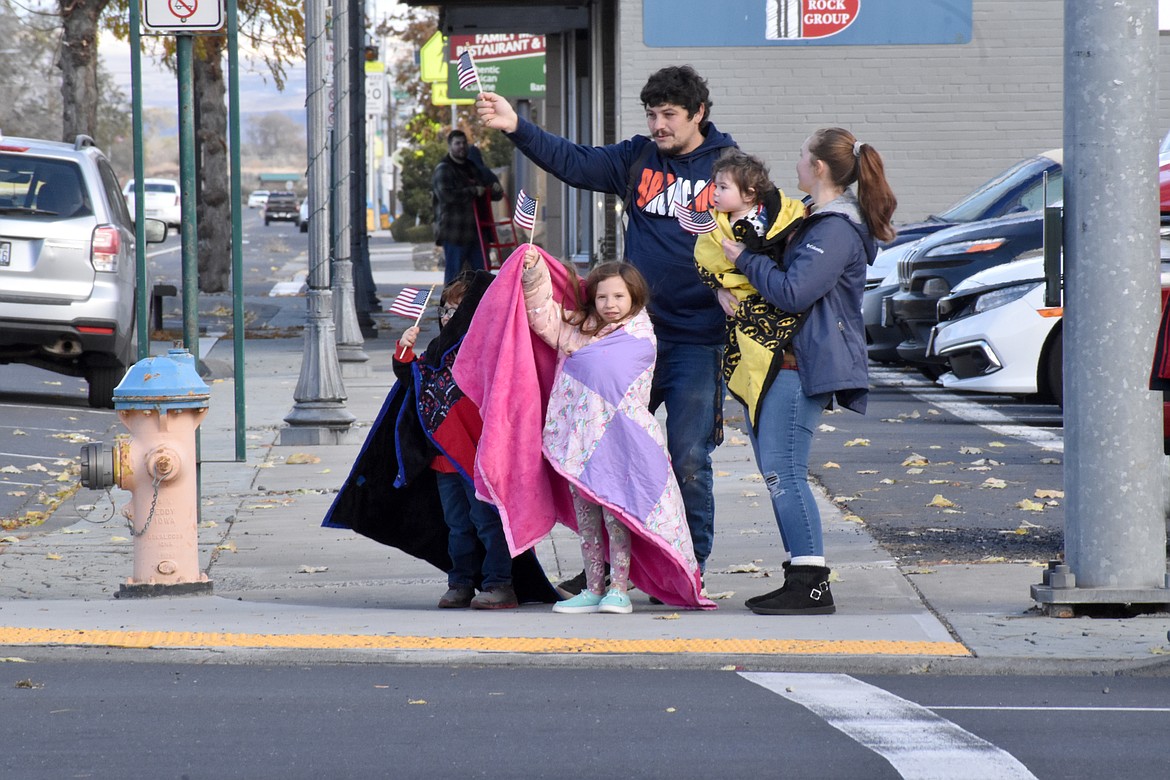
x: 1047, y: 709
x: 916, y: 742
x: 974, y: 412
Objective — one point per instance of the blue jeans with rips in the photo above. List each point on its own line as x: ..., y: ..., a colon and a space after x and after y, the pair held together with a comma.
x: 787, y: 420
x: 688, y: 378
x: 471, y: 522
x: 456, y: 254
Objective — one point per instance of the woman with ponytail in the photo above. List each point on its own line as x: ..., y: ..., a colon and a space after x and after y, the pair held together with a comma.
x: 822, y: 271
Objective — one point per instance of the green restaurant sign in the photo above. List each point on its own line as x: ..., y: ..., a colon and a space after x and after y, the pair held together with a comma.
x: 509, y: 65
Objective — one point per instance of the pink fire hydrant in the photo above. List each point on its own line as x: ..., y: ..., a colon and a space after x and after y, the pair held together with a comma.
x: 162, y: 401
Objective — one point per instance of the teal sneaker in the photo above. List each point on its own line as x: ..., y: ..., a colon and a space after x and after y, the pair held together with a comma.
x: 615, y: 601
x: 585, y: 601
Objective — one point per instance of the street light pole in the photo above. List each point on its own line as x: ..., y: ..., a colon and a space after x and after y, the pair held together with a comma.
x: 354, y: 360
x: 319, y: 415
x: 1114, y: 537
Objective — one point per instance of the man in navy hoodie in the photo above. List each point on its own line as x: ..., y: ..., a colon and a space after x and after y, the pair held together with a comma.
x: 671, y: 166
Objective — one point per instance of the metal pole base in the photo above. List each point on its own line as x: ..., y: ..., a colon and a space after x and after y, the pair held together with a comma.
x: 1059, y: 596
x: 141, y: 590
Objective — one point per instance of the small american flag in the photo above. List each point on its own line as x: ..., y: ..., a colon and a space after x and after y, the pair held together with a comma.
x: 525, y: 215
x: 466, y: 71
x: 692, y: 221
x: 411, y: 302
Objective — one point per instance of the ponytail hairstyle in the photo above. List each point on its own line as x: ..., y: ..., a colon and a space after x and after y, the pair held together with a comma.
x: 584, y: 315
x: 850, y: 160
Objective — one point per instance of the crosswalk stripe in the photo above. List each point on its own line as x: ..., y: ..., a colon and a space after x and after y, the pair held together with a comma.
x: 916, y: 742
x: 981, y: 414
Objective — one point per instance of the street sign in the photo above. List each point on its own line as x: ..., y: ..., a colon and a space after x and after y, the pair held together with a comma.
x: 182, y: 16
x: 509, y: 65
x: 375, y: 89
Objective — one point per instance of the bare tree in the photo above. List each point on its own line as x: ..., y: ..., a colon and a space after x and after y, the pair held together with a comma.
x: 78, y: 63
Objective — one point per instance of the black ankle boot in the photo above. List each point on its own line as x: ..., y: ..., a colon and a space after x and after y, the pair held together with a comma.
x: 757, y: 599
x: 805, y: 592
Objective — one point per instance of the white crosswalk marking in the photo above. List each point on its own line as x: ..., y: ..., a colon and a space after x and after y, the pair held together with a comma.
x: 918, y: 744
x: 979, y: 412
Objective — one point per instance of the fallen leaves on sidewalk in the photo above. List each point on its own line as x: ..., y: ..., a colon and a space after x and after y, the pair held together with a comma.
x: 993, y: 482
x: 915, y: 460
x: 742, y: 568
x: 12, y: 659
x: 671, y: 616
x: 1041, y: 493
x: 227, y: 546
x: 300, y: 458
x: 722, y: 595
x: 831, y: 465
x: 941, y: 502
x: 1029, y: 505
x: 857, y: 443
x: 312, y: 569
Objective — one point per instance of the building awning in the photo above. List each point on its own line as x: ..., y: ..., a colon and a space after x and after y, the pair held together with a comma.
x: 470, y: 17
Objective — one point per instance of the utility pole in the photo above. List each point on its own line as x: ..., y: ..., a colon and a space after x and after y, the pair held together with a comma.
x: 1115, y: 537
x: 354, y: 361
x: 319, y: 415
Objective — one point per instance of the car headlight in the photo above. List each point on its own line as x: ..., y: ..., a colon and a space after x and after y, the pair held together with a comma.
x: 967, y: 247
x: 1003, y: 295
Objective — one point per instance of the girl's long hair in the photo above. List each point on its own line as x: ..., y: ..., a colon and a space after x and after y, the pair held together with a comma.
x: 851, y: 162
x: 584, y: 314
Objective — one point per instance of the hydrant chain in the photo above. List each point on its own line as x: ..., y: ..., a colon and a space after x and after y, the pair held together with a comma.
x: 150, y: 516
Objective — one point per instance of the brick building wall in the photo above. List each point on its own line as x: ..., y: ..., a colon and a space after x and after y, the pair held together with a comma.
x: 945, y: 118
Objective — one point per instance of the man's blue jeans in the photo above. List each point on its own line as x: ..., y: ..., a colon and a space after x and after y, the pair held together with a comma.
x: 456, y: 254
x: 787, y: 420
x: 688, y: 378
x: 471, y: 521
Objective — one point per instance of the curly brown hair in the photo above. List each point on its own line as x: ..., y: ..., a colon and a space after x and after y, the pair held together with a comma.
x: 747, y: 172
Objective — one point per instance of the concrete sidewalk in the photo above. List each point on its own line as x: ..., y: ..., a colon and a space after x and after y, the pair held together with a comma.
x: 284, y: 585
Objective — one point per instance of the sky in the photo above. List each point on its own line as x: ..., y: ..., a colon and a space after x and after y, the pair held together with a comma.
x: 258, y: 92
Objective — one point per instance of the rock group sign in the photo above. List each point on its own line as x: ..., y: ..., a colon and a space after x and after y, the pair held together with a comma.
x: 510, y: 65
x: 805, y: 22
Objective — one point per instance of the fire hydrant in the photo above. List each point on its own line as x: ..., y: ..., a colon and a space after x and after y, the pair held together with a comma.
x: 162, y: 401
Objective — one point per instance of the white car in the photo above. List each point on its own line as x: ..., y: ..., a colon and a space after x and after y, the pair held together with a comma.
x: 162, y: 200
x: 257, y: 199
x: 999, y: 336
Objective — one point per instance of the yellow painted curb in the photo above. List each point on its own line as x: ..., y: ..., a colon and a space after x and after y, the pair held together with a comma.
x: 187, y: 639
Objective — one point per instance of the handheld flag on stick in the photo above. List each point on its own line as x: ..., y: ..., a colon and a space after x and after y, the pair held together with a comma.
x: 525, y: 215
x: 467, y: 73
x: 696, y: 222
x: 411, y: 302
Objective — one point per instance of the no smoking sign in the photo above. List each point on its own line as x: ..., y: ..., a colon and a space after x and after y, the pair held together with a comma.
x: 178, y: 16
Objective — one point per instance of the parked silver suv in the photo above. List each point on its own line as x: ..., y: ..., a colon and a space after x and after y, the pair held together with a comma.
x: 67, y: 281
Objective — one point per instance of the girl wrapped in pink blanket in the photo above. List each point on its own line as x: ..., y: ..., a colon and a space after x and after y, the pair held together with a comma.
x: 600, y: 436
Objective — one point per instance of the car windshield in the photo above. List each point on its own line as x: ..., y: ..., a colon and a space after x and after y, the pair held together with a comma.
x: 38, y: 186
x: 151, y: 186
x: 977, y: 204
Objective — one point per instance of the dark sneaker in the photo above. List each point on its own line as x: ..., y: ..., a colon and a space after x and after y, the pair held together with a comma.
x: 498, y: 597
x: 457, y: 597
x: 571, y: 587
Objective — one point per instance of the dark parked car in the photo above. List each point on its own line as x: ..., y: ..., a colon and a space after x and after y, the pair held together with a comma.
x: 932, y: 268
x: 1014, y: 191
x: 282, y: 207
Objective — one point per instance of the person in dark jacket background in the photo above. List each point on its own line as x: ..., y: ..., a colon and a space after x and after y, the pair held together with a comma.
x: 822, y: 271
x: 670, y: 166
x: 458, y: 183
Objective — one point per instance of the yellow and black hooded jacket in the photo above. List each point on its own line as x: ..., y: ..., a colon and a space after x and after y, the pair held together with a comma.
x: 758, y: 332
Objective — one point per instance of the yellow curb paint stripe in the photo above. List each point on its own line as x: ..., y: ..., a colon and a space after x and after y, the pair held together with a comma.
x: 186, y: 639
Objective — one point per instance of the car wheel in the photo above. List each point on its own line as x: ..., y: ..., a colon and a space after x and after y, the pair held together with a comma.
x: 102, y: 381
x: 1054, y: 367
